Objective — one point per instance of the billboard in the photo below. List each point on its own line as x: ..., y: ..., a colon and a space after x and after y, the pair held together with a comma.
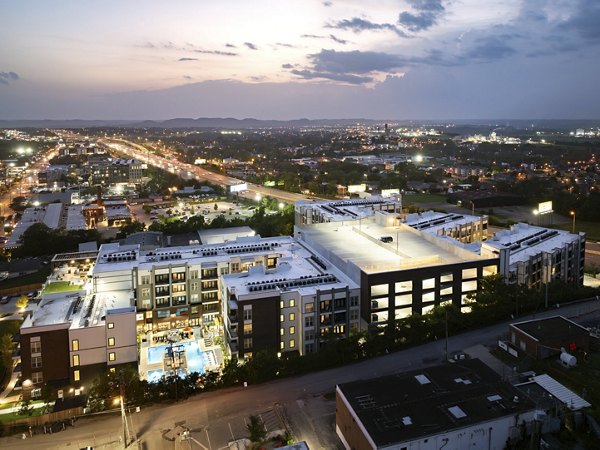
x: 239, y: 187
x: 545, y: 207
x: 389, y: 192
x: 356, y: 188
x: 269, y: 184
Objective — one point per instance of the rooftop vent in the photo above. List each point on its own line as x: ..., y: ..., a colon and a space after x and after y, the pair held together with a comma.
x: 457, y: 412
x: 407, y: 420
x: 422, y: 379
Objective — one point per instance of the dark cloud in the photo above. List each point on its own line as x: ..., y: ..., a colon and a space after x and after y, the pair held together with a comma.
x: 490, y: 48
x: 230, y: 45
x: 216, y: 52
x: 427, y: 13
x: 8, y: 77
x: 334, y: 38
x: 357, y: 25
x: 287, y: 66
x: 251, y: 46
x: 346, y: 78
x: 283, y: 44
x: 355, y: 62
x: 585, y: 20
x: 187, y: 77
x: 327, y: 4
x: 187, y: 59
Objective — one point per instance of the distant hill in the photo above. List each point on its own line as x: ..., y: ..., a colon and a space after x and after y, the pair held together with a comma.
x: 250, y: 123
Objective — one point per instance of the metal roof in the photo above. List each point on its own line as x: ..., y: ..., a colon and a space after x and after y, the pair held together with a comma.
x: 568, y: 397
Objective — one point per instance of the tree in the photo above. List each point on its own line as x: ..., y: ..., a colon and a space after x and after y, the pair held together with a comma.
x: 26, y: 408
x: 22, y: 301
x: 6, y: 350
x: 257, y: 430
x: 18, y: 204
x: 130, y: 228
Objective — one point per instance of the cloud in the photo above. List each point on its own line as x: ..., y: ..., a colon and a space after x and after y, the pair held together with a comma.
x: 427, y: 13
x: 358, y: 25
x: 346, y: 78
x: 490, y: 48
x: 187, y: 77
x: 228, y: 45
x: 216, y: 52
x: 287, y: 66
x: 251, y: 46
x: 187, y: 59
x: 355, y: 61
x: 585, y: 20
x: 331, y: 37
x: 327, y: 4
x: 8, y: 77
x: 284, y: 44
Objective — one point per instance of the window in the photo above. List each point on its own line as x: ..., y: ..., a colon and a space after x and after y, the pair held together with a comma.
x: 248, y: 328
x: 247, y: 343
x: 353, y: 314
x: 177, y: 288
x: 36, y: 362
x: 292, y: 330
x: 403, y: 300
x: 354, y: 300
x: 163, y: 314
x: 111, y: 325
x: 37, y: 377
x: 194, y: 298
x: 281, y: 304
x: 76, y: 376
x: 379, y: 289
x: 309, y: 335
x: 292, y: 303
x: 75, y: 360
x: 75, y: 345
x: 281, y: 331
x: 282, y: 345
x: 292, y: 343
x: 429, y: 283
x: 194, y: 274
x: 112, y: 370
x: 111, y: 341
x: 292, y: 317
x: 145, y: 292
x: 112, y: 356
x: 281, y: 318
x: 161, y: 279
x: 145, y: 279
x: 194, y: 286
x: 403, y: 286
x: 309, y: 307
x: 469, y: 273
x: 36, y: 347
x: 178, y: 276
x: 179, y: 300
x: 309, y: 321
x: 247, y: 313
x: 468, y: 286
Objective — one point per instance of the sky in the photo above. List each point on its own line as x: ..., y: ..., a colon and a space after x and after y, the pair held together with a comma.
x: 289, y: 59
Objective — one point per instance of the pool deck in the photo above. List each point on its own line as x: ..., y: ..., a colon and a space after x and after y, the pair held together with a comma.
x: 205, y: 345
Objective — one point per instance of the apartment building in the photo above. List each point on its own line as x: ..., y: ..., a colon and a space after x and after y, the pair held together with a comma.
x: 116, y: 171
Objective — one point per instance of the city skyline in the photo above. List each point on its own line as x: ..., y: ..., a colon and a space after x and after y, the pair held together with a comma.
x: 411, y: 59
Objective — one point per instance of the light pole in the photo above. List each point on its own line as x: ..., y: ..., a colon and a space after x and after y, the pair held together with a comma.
x: 536, y: 213
x: 572, y: 213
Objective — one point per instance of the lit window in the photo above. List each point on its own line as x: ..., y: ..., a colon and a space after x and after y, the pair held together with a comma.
x: 112, y: 356
x: 110, y: 325
x: 37, y: 377
x: 76, y: 375
x: 281, y: 331
x: 292, y: 343
x: 292, y: 303
x: 292, y: 317
x: 36, y: 362
x: 75, y: 345
x: 292, y: 330
x: 75, y: 360
x: 281, y: 304
x: 309, y: 307
x: 111, y: 341
x: 248, y: 328
x: 282, y: 318
x: 282, y: 345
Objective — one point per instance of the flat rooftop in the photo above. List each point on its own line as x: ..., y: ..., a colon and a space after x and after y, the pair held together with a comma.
x: 433, y: 221
x: 297, y: 270
x: 221, y: 235
x: 525, y: 240
x: 361, y: 245
x: 348, y: 210
x: 425, y: 402
x: 556, y: 327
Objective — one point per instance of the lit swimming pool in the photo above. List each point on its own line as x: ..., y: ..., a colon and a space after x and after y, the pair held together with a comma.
x: 196, y: 359
x: 155, y: 375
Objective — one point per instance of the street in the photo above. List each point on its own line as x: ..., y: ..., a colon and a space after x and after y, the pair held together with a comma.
x: 217, y: 418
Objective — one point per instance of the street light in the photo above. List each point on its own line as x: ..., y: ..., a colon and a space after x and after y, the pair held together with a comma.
x: 537, y: 214
x: 572, y: 213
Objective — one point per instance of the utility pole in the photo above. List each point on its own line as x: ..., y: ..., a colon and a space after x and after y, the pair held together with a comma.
x: 446, y: 322
x: 123, y: 415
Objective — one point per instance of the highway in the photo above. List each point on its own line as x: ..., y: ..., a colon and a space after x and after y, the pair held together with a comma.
x: 216, y: 418
x: 169, y: 162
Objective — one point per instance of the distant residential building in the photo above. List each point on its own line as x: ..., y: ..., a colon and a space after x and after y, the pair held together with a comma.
x: 129, y: 171
x: 534, y: 255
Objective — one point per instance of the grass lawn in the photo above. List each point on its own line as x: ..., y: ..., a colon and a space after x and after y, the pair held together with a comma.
x: 411, y: 199
x: 15, y: 415
x: 60, y: 286
x: 592, y: 229
x: 32, y: 278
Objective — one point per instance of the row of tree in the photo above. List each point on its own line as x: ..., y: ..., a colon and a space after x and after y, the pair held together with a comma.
x: 496, y: 302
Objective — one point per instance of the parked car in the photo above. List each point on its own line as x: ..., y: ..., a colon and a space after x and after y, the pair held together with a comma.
x: 4, y: 300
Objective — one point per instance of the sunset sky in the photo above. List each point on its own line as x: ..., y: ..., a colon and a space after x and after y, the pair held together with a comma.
x: 402, y: 59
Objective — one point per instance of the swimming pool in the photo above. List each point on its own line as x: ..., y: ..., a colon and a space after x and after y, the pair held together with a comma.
x: 196, y: 359
x: 155, y: 375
